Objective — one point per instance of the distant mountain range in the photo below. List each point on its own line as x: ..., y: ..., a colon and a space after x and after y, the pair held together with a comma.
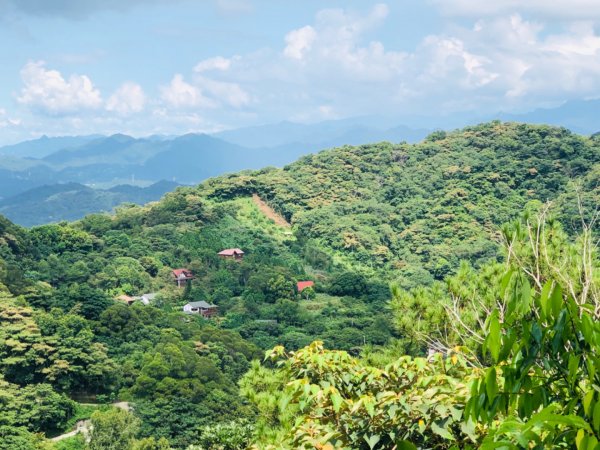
x: 71, y: 201
x: 41, y: 174
x: 581, y: 116
x: 105, y: 161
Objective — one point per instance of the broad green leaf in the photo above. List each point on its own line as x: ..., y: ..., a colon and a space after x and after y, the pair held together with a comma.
x: 588, y: 401
x: 372, y: 440
x: 405, y: 445
x: 556, y: 300
x: 441, y: 431
x: 336, y: 401
x: 491, y: 385
x: 544, y: 296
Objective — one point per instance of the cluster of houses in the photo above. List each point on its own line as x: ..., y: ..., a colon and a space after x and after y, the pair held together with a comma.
x: 181, y: 277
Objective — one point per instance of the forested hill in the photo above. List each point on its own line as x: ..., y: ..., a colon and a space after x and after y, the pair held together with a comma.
x: 418, y: 209
x: 360, y: 217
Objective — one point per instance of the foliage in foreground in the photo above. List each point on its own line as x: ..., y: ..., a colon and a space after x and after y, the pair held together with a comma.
x: 532, y: 383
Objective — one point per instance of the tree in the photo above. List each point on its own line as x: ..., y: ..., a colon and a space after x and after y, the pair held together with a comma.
x: 114, y: 429
x: 542, y: 338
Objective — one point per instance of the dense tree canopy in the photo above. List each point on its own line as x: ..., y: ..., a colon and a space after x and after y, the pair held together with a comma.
x: 425, y: 219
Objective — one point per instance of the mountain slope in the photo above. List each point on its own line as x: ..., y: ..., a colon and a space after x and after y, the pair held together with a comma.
x: 72, y: 201
x: 417, y: 210
x: 361, y: 217
x: 39, y: 148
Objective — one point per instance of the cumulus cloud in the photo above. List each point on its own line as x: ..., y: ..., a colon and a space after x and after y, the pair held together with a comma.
x: 181, y: 94
x: 299, y: 42
x: 49, y: 92
x: 127, y: 100
x: 336, y: 65
x: 204, y: 92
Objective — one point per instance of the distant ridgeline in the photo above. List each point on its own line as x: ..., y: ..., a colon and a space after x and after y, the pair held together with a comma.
x: 72, y: 201
x: 360, y: 218
x: 417, y: 210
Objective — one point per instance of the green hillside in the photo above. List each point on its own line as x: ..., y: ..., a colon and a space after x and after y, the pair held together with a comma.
x: 361, y: 217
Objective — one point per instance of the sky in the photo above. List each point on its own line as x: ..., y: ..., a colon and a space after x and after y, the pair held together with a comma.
x: 142, y: 67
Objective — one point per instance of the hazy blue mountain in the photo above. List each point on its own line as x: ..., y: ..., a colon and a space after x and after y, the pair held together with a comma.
x: 115, y: 149
x: 359, y: 130
x: 71, y: 201
x: 39, y: 148
x: 581, y: 116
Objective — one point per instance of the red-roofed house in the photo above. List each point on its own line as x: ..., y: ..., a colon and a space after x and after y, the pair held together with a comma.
x: 232, y: 253
x: 182, y: 276
x: 304, y: 284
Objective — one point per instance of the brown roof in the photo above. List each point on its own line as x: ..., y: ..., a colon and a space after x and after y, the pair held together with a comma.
x: 186, y: 272
x: 231, y: 252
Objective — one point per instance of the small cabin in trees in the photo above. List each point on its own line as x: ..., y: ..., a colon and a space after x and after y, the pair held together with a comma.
x: 125, y: 299
x: 182, y: 276
x: 232, y: 253
x: 301, y: 285
x: 146, y: 299
x: 203, y: 308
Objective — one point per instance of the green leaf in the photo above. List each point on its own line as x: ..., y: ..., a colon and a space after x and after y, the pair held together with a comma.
x: 573, y: 368
x: 544, y: 296
x: 491, y: 385
x: 441, y: 431
x: 525, y: 303
x: 405, y: 445
x: 581, y: 440
x: 556, y: 300
x: 587, y: 402
x: 336, y: 401
x: 505, y: 281
x: 493, y: 338
x: 596, y: 416
x: 372, y: 440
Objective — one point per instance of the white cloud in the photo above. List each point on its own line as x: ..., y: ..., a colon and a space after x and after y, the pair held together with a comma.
x: 216, y: 63
x: 128, y: 99
x: 180, y: 94
x: 299, y: 42
x: 335, y: 43
x: 223, y: 92
x: 47, y: 91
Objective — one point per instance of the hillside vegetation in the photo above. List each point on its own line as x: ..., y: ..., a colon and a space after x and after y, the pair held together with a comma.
x: 362, y: 218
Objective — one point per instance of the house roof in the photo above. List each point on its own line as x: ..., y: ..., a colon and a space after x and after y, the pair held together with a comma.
x: 231, y: 252
x: 125, y: 298
x: 185, y: 272
x: 201, y: 304
x: 304, y: 284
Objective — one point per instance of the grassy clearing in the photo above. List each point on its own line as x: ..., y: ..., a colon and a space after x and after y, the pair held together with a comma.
x: 250, y: 215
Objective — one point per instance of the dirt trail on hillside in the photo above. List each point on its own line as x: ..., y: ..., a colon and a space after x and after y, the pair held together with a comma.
x: 270, y: 212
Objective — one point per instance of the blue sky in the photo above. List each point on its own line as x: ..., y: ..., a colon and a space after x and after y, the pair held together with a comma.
x: 170, y: 67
